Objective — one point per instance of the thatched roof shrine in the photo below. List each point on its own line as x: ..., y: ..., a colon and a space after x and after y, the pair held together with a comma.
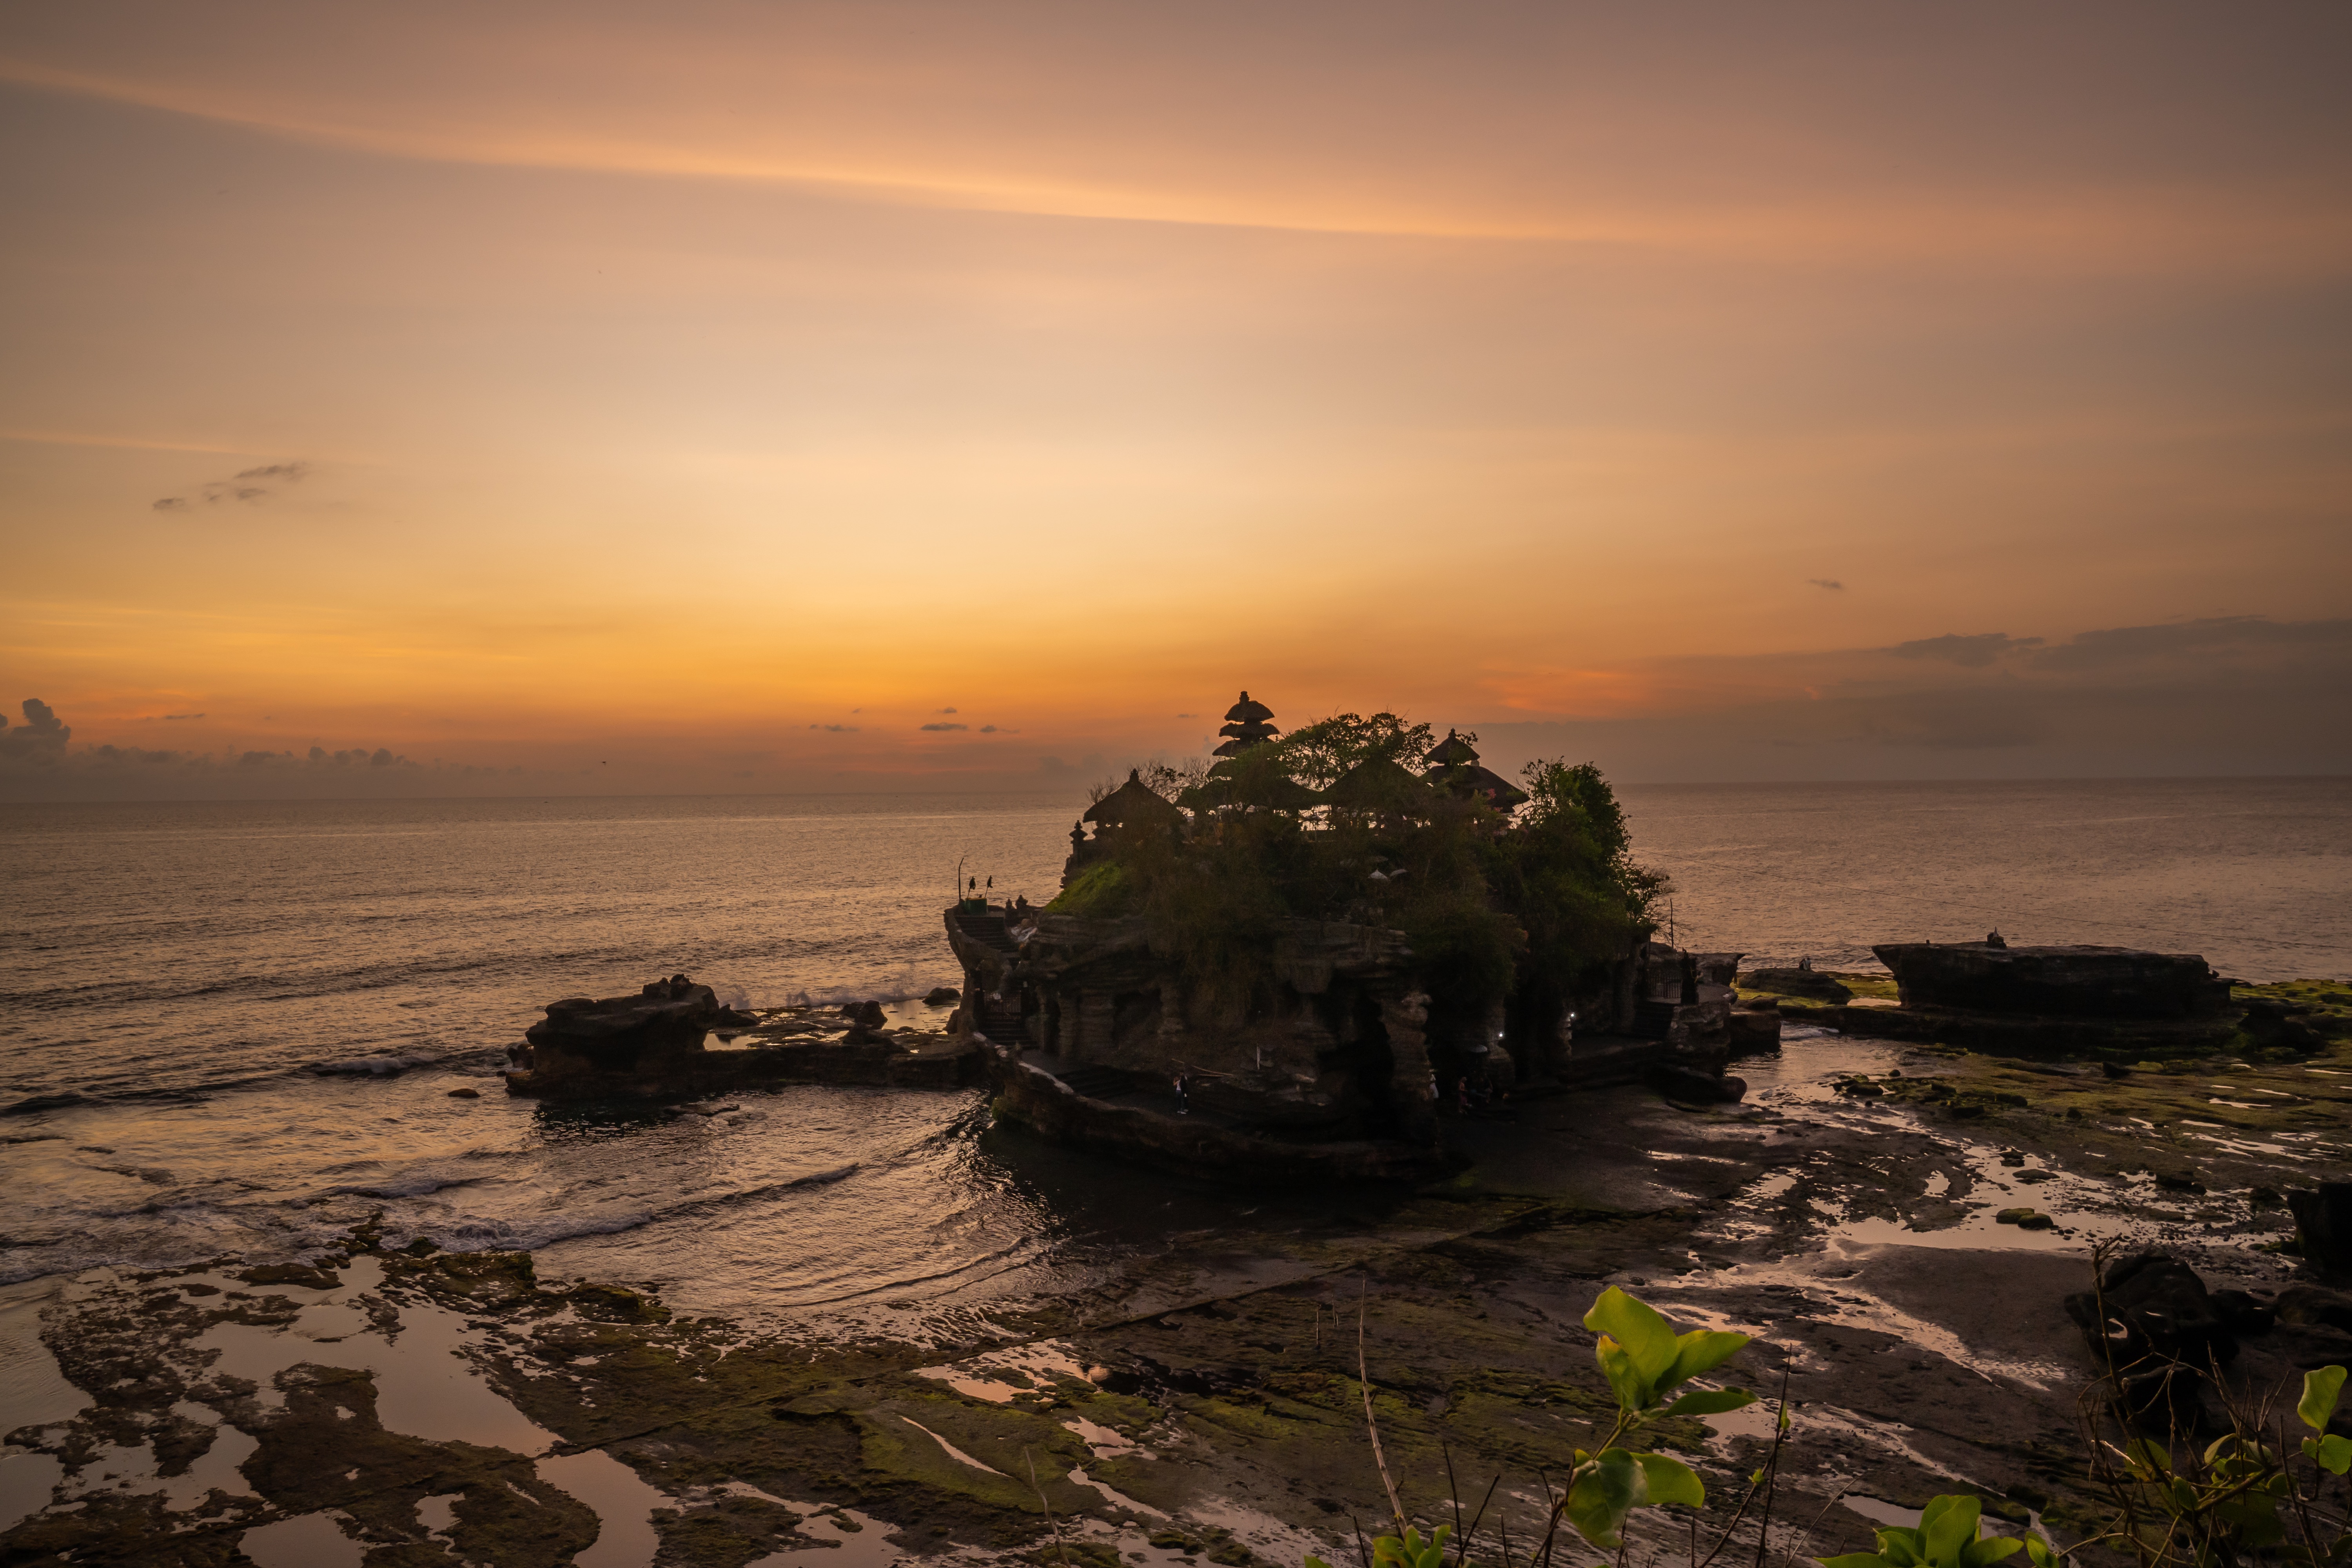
x: 1226, y: 785
x: 1452, y: 752
x: 1378, y: 784
x: 1471, y: 781
x: 1134, y: 804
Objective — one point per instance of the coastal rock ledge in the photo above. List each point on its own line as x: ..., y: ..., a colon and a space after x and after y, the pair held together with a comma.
x: 2054, y: 982
x: 652, y: 1045
x: 1988, y: 995
x: 649, y: 1033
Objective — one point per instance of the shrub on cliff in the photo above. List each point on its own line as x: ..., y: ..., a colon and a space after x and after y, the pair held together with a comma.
x: 1566, y: 872
x: 1493, y: 905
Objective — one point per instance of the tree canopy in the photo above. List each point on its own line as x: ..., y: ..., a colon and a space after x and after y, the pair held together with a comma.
x: 1490, y: 903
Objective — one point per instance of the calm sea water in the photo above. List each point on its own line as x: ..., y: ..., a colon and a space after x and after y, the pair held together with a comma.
x: 173, y: 977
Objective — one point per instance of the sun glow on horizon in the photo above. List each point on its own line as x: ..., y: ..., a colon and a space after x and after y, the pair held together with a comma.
x: 735, y: 390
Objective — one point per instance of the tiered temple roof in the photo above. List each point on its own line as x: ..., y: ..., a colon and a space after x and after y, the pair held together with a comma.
x: 1246, y: 723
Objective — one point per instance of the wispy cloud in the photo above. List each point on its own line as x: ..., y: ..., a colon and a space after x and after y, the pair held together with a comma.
x: 1975, y: 651
x: 947, y: 726
x: 246, y: 486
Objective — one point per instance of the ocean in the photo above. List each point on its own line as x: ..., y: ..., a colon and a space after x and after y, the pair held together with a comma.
x: 234, y: 1029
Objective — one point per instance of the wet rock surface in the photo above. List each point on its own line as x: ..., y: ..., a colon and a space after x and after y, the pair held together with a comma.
x: 1202, y: 1400
x: 2074, y: 982
x: 656, y: 1047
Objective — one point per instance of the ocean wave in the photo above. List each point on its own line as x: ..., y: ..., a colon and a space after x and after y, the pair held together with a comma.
x: 511, y: 1235
x: 423, y: 1183
x: 488, y: 1233
x: 40, y: 1102
x: 369, y: 1066
x: 906, y: 985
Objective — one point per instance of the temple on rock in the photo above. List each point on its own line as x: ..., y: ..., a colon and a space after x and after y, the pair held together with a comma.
x: 1337, y: 941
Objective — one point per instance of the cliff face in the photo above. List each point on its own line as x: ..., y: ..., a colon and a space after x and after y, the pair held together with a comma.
x: 2054, y: 982
x: 1338, y: 1041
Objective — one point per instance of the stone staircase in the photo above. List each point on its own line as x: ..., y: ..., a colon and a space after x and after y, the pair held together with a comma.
x: 987, y: 930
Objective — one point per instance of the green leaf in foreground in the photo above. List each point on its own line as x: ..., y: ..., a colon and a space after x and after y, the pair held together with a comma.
x: 2321, y: 1389
x: 1603, y: 1495
x: 1710, y: 1402
x: 1945, y: 1538
x: 1701, y: 1351
x: 2331, y: 1453
x: 1668, y: 1479
x: 1646, y: 1337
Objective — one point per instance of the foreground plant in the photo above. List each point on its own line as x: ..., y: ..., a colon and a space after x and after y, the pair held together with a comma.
x: 1945, y: 1537
x: 1645, y: 1361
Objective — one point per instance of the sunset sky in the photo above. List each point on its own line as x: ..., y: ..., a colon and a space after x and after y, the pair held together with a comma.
x: 781, y: 397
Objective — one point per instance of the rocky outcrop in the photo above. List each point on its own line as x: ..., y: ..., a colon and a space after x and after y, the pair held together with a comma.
x: 652, y: 1045
x: 2323, y: 1225
x: 2151, y: 1306
x: 628, y: 1035
x: 1693, y: 1085
x: 2164, y: 1339
x: 2039, y: 1000
x: 2117, y: 983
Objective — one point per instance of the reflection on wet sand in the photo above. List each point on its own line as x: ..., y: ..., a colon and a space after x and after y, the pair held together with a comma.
x: 1194, y: 1393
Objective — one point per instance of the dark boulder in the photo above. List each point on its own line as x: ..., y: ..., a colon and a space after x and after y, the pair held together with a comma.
x: 2054, y: 982
x: 2245, y: 1314
x: 666, y: 1020
x: 2150, y: 1309
x: 1693, y: 1087
x: 2311, y: 1328
x: 2313, y: 1306
x: 867, y: 1022
x: 2323, y: 1223
x: 2285, y: 1024
x: 942, y: 996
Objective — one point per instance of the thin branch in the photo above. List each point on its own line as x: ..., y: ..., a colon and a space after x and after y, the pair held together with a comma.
x: 1482, y: 1508
x: 1052, y: 1525
x: 1364, y: 1382
x: 1454, y: 1494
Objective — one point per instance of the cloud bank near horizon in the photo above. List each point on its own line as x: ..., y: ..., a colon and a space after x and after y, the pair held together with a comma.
x: 2237, y: 695
x: 717, y: 399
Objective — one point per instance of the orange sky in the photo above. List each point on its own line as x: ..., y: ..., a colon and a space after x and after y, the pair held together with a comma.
x: 708, y: 396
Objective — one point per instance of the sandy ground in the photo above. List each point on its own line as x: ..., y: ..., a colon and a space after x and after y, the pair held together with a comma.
x: 402, y: 1410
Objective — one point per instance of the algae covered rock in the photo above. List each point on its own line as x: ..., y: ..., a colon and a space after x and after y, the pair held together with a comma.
x: 1810, y: 984
x: 2054, y: 982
